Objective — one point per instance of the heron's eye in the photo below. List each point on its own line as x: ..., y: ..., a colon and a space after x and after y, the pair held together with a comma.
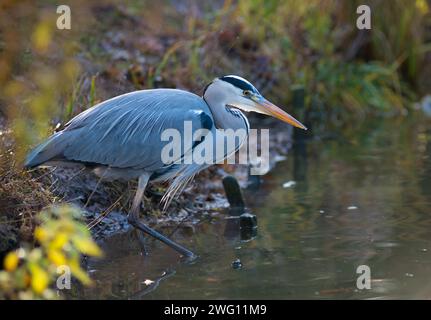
x: 247, y: 93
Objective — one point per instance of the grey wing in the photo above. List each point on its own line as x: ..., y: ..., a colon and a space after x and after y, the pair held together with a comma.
x: 125, y: 131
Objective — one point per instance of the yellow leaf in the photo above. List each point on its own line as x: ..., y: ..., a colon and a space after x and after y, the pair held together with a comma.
x: 56, y: 257
x: 422, y: 6
x: 40, y: 234
x: 42, y: 37
x: 87, y: 246
x: 59, y: 241
x: 68, y: 226
x: 11, y: 261
x: 39, y: 279
x: 80, y: 274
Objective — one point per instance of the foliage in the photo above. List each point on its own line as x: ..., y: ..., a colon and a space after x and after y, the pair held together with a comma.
x: 344, y: 73
x: 347, y: 74
x: 40, y: 68
x: 29, y: 273
x: 400, y: 36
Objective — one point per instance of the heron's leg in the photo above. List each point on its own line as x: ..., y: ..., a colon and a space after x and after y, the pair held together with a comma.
x: 134, y: 220
x: 141, y: 239
x: 134, y: 212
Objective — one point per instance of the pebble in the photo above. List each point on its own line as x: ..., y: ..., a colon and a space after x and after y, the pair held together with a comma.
x: 289, y: 184
x: 237, y: 264
x: 410, y: 275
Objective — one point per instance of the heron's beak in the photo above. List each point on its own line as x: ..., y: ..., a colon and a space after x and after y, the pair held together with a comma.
x: 271, y: 109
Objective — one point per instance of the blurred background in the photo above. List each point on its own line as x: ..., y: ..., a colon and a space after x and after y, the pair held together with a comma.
x: 362, y: 172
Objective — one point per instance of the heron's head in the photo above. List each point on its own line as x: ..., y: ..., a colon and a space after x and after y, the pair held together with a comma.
x: 236, y: 92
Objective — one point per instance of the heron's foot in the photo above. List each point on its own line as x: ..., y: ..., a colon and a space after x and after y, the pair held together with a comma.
x: 146, y: 229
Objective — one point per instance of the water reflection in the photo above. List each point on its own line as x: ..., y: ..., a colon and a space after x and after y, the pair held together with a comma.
x: 363, y: 199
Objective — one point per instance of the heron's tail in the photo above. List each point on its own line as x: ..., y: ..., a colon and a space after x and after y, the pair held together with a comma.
x: 45, y: 151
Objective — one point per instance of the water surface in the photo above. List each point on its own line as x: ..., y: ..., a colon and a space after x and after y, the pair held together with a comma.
x: 360, y: 199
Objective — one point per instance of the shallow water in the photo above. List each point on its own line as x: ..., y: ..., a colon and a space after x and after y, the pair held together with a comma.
x: 363, y: 199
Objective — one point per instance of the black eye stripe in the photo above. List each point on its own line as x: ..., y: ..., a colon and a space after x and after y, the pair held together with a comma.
x: 237, y: 82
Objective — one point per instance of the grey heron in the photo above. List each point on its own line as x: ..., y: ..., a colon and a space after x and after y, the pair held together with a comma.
x: 120, y: 137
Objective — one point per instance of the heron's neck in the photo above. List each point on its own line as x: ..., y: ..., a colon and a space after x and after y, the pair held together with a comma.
x: 226, y: 118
